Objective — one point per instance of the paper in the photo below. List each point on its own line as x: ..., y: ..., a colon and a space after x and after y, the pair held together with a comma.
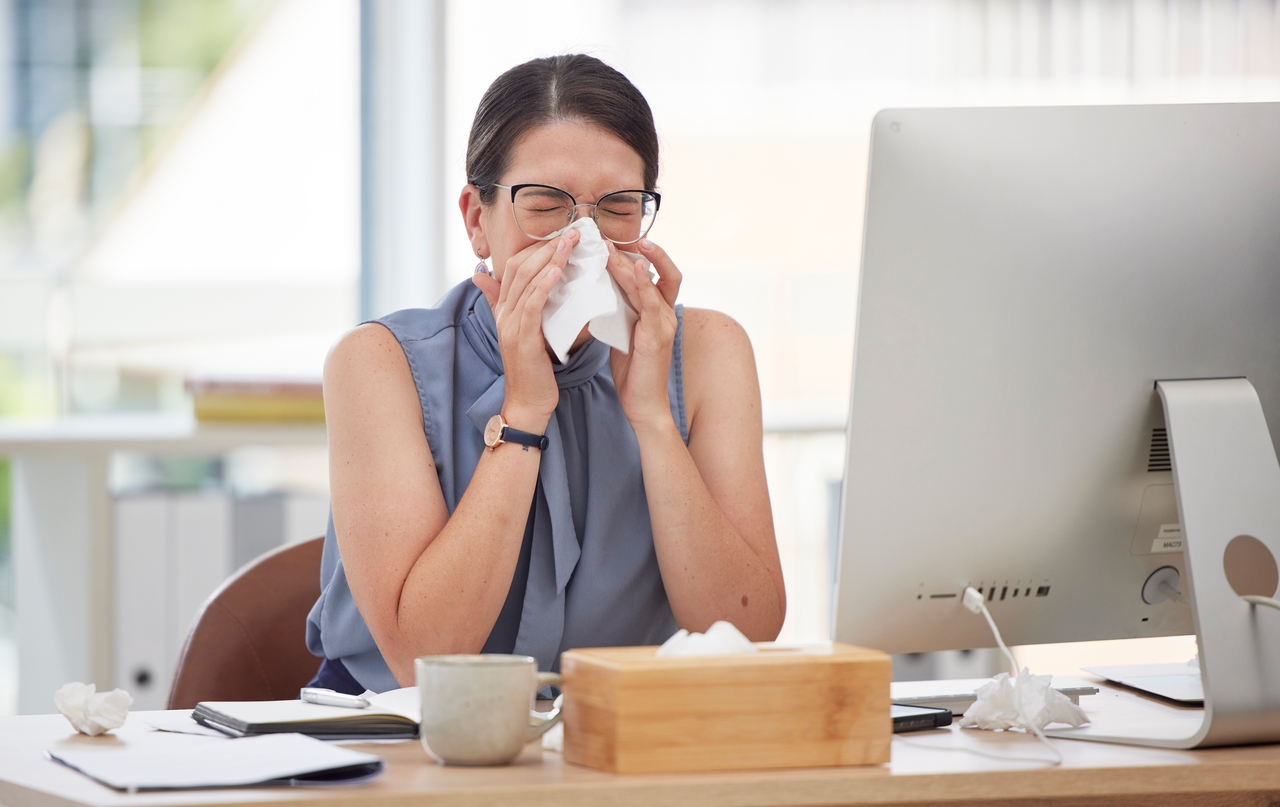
x: 187, y: 762
x: 997, y: 706
x: 90, y: 711
x: 587, y: 294
x: 721, y: 639
x: 553, y: 738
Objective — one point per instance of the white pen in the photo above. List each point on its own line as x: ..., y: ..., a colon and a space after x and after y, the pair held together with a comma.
x: 327, y: 697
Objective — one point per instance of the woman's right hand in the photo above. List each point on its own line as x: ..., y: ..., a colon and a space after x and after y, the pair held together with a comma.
x: 517, y: 302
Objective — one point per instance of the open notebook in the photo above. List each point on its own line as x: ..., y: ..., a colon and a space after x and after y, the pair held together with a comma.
x: 390, y: 715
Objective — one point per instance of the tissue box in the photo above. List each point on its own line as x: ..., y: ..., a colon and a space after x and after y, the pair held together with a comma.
x: 626, y: 711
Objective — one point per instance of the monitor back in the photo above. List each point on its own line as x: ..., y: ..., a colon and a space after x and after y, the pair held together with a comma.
x: 1027, y: 275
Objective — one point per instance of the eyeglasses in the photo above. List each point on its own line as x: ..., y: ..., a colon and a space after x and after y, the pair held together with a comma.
x: 541, y: 212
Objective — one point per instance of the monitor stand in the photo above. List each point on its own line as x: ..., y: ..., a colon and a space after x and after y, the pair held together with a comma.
x: 1227, y: 482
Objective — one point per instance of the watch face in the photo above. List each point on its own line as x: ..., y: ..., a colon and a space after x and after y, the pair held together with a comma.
x: 493, y: 431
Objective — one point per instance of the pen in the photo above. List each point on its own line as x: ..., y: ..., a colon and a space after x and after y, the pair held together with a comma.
x: 327, y: 697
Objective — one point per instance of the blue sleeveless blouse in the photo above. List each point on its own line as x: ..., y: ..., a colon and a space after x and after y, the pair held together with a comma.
x: 587, y: 574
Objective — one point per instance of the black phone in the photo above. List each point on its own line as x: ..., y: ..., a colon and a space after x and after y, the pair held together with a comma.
x: 918, y: 718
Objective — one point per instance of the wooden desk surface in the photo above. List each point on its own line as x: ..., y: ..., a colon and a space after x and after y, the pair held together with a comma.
x: 934, y: 767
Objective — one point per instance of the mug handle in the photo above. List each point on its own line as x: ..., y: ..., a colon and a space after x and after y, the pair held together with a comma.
x: 539, y: 722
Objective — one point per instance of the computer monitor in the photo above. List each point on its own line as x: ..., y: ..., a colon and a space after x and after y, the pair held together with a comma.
x: 1028, y: 275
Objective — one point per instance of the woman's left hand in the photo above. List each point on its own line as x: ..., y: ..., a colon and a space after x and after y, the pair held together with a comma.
x: 641, y: 375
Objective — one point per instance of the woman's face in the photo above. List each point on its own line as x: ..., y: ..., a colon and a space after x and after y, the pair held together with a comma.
x: 580, y: 158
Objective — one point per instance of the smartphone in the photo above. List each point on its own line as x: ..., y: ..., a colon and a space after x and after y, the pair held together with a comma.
x: 918, y: 718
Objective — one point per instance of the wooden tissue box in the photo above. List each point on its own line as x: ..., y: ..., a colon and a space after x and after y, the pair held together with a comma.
x: 627, y: 711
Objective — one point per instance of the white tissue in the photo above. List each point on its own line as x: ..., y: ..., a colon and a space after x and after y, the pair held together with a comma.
x: 553, y: 739
x: 587, y: 294
x: 92, y: 712
x: 721, y: 639
x: 998, y: 702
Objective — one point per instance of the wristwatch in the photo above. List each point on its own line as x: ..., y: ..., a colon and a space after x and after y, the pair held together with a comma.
x: 497, y: 432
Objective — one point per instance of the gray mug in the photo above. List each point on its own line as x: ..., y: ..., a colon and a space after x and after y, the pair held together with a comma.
x: 478, y: 710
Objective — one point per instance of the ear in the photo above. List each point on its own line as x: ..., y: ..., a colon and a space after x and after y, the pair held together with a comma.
x: 472, y: 210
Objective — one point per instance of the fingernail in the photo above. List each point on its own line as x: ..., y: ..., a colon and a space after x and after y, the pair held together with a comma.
x: 609, y: 245
x: 562, y: 244
x: 646, y: 244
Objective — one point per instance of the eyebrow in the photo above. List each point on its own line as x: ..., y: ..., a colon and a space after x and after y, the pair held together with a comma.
x: 541, y: 191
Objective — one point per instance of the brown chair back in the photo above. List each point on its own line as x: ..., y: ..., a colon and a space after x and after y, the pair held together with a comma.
x: 248, y: 642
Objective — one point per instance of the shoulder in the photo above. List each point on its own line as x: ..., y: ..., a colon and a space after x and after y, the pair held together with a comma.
x: 367, y: 378
x: 364, y: 350
x: 718, y: 361
x: 375, y: 346
x: 712, y: 336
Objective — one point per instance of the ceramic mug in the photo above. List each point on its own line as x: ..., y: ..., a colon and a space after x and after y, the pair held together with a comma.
x: 478, y: 710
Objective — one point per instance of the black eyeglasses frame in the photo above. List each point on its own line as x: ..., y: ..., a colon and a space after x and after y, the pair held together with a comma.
x: 657, y: 204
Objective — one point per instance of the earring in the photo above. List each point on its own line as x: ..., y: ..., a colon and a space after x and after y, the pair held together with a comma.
x: 482, y: 268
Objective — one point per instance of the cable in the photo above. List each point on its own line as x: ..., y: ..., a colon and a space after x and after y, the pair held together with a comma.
x: 1167, y: 589
x: 974, y: 601
x: 1254, y: 599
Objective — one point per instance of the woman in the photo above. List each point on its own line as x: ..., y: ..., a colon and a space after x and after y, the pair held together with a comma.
x: 644, y: 509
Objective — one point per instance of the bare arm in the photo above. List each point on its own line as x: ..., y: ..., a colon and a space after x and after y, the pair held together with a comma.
x: 709, y: 501
x: 427, y: 583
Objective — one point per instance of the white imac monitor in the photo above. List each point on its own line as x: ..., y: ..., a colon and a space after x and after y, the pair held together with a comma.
x: 1028, y: 276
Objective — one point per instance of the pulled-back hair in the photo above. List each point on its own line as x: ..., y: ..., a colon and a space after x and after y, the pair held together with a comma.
x: 558, y: 88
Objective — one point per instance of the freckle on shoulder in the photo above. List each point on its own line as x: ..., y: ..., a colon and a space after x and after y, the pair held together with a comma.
x: 706, y: 319
x: 364, y: 341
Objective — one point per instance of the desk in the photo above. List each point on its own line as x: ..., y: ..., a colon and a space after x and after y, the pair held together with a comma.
x: 923, y: 771
x: 62, y: 531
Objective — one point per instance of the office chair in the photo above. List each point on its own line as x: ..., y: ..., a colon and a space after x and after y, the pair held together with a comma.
x: 248, y: 640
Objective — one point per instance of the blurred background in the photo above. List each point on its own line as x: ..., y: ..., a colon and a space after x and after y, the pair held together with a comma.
x: 198, y: 196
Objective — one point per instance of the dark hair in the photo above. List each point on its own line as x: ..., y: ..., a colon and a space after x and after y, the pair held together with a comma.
x: 573, y: 87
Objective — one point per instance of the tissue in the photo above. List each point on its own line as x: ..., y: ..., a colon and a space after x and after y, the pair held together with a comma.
x: 587, y: 294
x: 998, y: 702
x: 721, y: 639
x: 553, y: 739
x: 90, y: 711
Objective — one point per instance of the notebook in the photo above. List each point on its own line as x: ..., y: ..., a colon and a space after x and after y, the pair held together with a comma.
x: 390, y: 715
x: 179, y: 762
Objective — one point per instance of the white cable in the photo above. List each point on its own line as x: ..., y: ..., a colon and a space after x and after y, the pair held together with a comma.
x: 1254, y: 599
x: 974, y: 601
x: 1166, y: 588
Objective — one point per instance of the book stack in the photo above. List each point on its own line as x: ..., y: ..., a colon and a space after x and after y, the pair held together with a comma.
x: 256, y: 400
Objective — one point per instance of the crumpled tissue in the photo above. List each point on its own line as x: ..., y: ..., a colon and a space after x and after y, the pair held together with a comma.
x: 587, y: 294
x: 721, y: 639
x: 553, y: 738
x: 998, y: 701
x: 90, y: 711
